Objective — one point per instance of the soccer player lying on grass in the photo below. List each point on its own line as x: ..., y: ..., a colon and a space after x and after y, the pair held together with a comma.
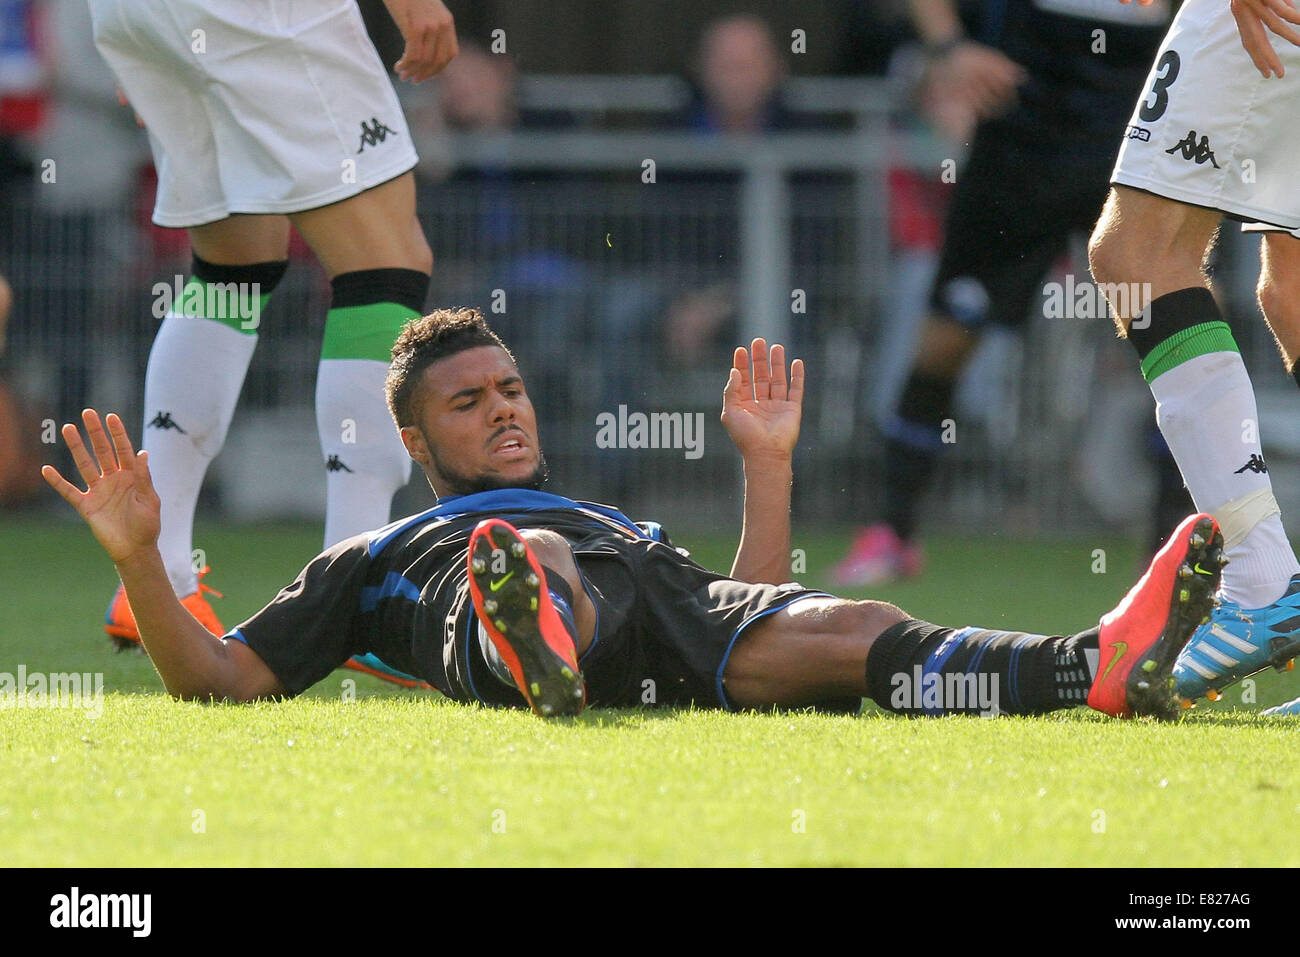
x: 507, y: 595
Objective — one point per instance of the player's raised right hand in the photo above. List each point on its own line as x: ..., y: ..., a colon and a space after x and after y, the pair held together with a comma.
x: 1252, y: 17
x: 119, y: 504
x: 429, y: 30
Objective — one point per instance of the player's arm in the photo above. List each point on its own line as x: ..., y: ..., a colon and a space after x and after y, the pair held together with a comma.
x: 936, y: 22
x: 123, y: 511
x: 430, y: 34
x: 980, y: 77
x: 761, y: 410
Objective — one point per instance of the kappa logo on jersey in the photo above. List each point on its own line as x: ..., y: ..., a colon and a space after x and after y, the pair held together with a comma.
x: 1254, y: 464
x: 1192, y: 150
x: 335, y: 464
x: 374, y: 133
x: 1139, y: 133
x: 164, y: 421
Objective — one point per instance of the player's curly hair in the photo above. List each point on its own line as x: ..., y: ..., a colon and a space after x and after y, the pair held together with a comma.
x: 424, y: 341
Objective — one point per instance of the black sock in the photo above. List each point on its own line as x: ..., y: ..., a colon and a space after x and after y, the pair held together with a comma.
x: 266, y: 275
x: 406, y: 287
x: 914, y: 440
x: 1171, y: 314
x: 1075, y: 670
x: 918, y: 668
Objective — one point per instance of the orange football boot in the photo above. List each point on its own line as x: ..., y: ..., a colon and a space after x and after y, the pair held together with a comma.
x: 508, y: 587
x: 120, y: 624
x: 1141, y: 638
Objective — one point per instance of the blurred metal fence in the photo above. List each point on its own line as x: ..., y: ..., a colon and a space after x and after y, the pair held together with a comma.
x: 622, y: 267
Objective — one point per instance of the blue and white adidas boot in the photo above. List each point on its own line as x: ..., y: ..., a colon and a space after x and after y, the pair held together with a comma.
x: 1291, y: 708
x: 1238, y: 642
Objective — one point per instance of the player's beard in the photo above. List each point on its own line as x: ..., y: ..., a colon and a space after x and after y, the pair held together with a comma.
x: 459, y: 483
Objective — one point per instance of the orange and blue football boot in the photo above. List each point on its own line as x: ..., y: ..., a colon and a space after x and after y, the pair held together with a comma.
x: 1142, y: 637
x: 508, y: 587
x: 371, y: 665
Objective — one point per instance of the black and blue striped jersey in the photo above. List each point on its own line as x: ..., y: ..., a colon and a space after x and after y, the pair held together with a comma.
x: 395, y: 591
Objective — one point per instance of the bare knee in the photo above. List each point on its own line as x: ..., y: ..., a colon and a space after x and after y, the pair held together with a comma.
x: 811, y: 650
x: 1149, y: 243
x: 1279, y: 292
x: 421, y: 254
x: 1277, y: 298
x: 876, y: 616
x: 377, y: 229
x: 551, y: 549
x: 242, y: 239
x: 1114, y: 248
x: 945, y: 347
x: 1105, y: 260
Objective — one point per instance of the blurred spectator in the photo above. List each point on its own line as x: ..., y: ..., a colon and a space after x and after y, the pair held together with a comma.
x: 477, y: 92
x: 534, y: 293
x: 738, y: 71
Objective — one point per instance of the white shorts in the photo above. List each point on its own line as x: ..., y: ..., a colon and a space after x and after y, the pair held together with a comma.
x: 1209, y: 130
x: 254, y: 106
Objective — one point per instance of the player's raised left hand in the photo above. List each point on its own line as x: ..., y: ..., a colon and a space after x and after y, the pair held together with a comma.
x: 120, y: 504
x: 761, y: 407
x: 429, y: 30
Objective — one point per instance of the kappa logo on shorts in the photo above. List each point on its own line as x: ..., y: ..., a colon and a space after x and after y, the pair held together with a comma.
x: 1254, y: 464
x: 1192, y: 150
x: 1138, y: 133
x: 335, y: 464
x: 164, y: 421
x: 374, y: 133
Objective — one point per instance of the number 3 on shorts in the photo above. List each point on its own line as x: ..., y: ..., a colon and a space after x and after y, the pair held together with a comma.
x: 1157, y: 100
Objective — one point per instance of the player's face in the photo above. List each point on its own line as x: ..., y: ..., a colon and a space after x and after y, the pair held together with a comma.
x: 477, y: 429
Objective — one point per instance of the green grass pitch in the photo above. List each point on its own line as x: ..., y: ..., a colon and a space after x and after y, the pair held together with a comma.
x: 387, y: 777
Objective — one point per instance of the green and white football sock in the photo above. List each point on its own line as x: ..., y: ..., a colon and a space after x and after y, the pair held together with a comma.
x: 1205, y: 406
x: 195, y: 373
x: 365, y: 460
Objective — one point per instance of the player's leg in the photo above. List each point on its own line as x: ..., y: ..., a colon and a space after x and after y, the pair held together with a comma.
x: 992, y: 263
x: 958, y: 307
x: 378, y: 261
x: 339, y: 163
x: 913, y: 444
x: 1279, y: 294
x: 567, y: 587
x: 1242, y: 641
x: 1205, y: 400
x: 195, y: 372
x: 1212, y: 134
x: 1205, y: 406
x: 535, y: 617
x: 817, y: 647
